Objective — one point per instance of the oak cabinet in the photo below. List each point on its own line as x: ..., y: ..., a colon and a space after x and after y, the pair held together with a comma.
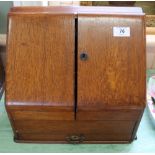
x: 75, y: 74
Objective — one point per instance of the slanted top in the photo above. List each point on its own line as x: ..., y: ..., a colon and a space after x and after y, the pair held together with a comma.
x: 77, y: 10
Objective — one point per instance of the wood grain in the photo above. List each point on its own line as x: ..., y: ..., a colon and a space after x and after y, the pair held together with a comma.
x: 117, y: 114
x: 41, y: 59
x: 43, y: 63
x: 61, y: 138
x: 76, y: 10
x: 59, y: 130
x: 42, y: 115
x: 114, y: 73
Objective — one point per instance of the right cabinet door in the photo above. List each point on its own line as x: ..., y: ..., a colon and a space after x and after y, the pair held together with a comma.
x: 111, y: 65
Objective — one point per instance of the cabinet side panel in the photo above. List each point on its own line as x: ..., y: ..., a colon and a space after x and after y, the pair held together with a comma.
x: 114, y: 72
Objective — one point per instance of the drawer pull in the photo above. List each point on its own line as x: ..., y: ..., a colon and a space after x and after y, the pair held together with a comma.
x: 75, y: 139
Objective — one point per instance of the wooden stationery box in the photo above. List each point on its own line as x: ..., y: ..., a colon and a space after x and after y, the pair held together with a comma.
x: 75, y: 74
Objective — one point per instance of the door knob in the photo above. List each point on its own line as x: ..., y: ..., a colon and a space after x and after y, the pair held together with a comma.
x: 83, y: 56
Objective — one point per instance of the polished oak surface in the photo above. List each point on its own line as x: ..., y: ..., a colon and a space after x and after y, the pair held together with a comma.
x: 40, y: 66
x: 58, y: 131
x: 69, y: 80
x: 114, y: 72
x: 76, y: 10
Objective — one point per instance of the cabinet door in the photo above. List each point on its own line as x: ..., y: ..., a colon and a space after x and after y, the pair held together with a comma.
x: 40, y: 64
x: 111, y: 69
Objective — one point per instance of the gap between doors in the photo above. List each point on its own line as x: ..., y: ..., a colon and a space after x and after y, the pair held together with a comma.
x: 75, y: 66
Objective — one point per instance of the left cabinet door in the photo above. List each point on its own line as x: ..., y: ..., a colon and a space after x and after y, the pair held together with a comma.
x: 40, y: 62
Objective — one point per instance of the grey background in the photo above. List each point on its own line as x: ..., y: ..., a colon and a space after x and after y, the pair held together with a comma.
x: 4, y: 8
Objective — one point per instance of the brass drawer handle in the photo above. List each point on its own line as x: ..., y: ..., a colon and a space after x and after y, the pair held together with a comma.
x: 75, y: 139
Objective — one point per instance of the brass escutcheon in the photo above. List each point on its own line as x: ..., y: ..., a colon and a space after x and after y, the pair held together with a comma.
x: 75, y: 139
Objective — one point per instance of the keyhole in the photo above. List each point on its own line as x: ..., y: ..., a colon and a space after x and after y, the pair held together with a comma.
x: 83, y: 56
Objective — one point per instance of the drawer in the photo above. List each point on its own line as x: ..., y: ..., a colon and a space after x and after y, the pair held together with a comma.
x: 62, y: 138
x: 59, y: 130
